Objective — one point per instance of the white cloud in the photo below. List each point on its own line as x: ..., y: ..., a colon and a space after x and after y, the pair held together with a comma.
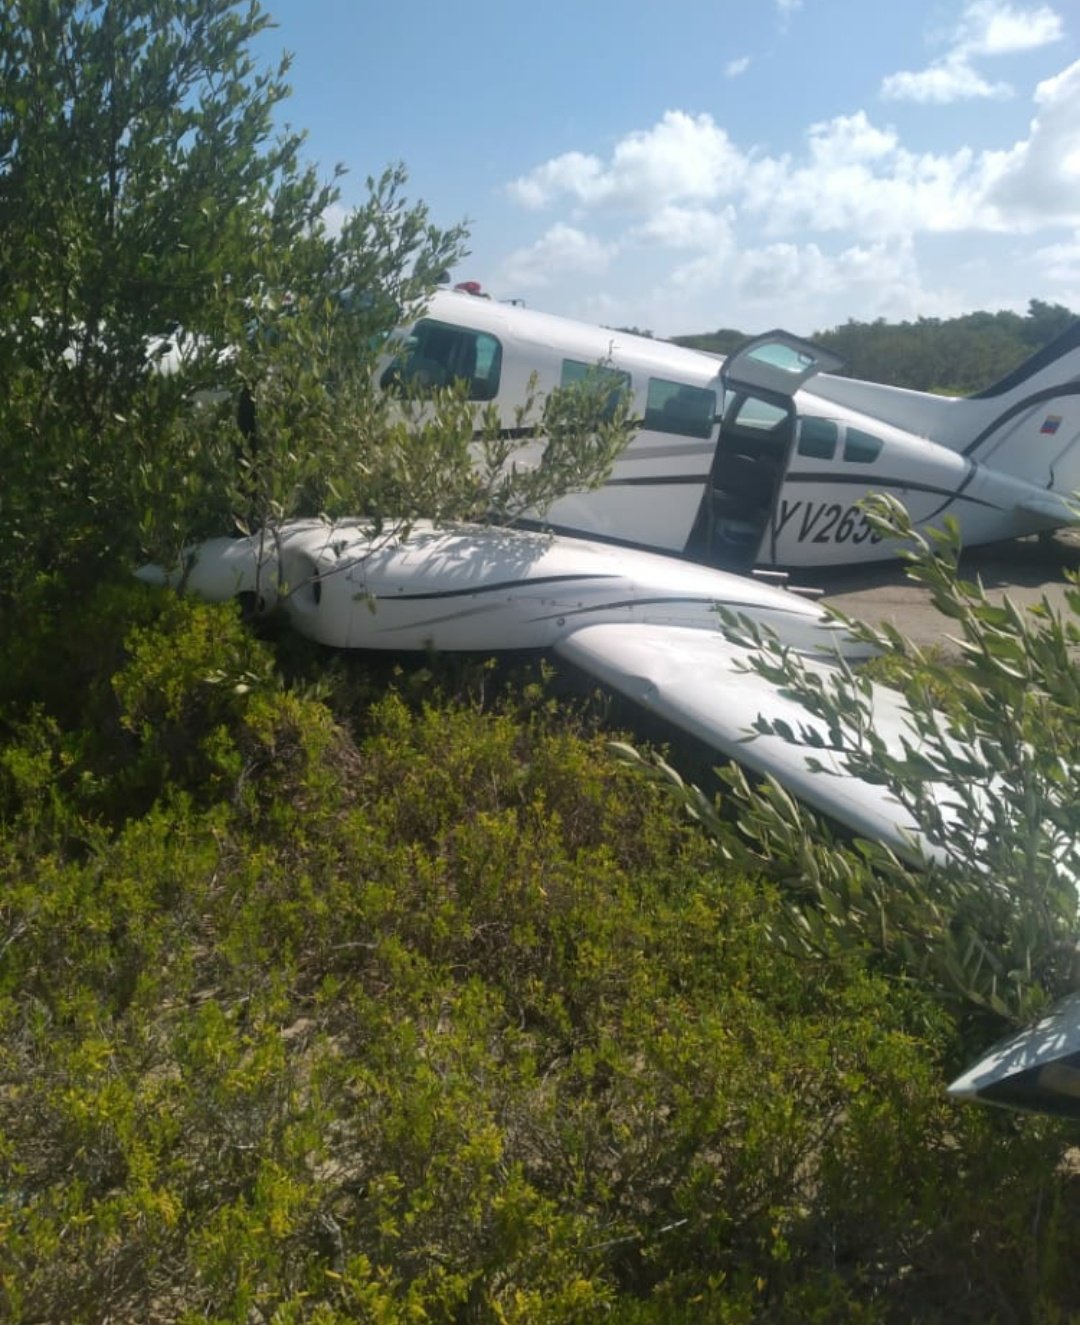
x: 676, y: 227
x: 1038, y: 180
x: 995, y: 27
x: 572, y: 173
x: 734, y: 68
x: 786, y: 8
x: 563, y: 250
x: 766, y: 273
x: 683, y: 157
x: 848, y: 140
x: 859, y: 178
x: 944, y: 81
x: 679, y: 218
x: 802, y: 285
x: 684, y: 185
x: 334, y: 218
x: 1060, y: 262
x: 986, y: 28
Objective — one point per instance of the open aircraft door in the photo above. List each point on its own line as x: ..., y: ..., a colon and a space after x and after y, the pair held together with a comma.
x: 757, y: 431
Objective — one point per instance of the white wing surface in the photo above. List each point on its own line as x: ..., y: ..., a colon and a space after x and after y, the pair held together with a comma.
x: 696, y: 680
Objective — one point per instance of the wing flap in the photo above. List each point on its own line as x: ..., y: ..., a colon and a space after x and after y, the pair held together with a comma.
x: 696, y: 680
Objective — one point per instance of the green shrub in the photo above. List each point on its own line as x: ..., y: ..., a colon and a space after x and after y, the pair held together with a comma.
x: 447, y: 1018
x: 989, y: 773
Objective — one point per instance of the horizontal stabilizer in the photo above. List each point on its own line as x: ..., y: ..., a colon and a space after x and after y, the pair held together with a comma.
x: 696, y: 680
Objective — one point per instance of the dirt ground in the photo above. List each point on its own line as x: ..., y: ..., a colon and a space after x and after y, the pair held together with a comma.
x: 1025, y: 569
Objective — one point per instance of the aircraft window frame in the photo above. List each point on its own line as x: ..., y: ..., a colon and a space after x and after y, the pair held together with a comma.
x: 861, y: 448
x: 821, y: 446
x: 576, y: 370
x: 437, y: 354
x: 660, y: 417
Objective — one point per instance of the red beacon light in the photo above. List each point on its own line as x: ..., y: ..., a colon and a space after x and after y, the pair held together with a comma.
x: 470, y: 287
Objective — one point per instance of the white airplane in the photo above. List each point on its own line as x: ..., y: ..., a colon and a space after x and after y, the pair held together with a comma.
x: 760, y: 459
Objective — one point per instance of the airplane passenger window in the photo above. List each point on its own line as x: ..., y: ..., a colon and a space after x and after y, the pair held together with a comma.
x: 818, y: 438
x: 575, y: 371
x: 862, y: 448
x: 439, y: 354
x: 689, y: 411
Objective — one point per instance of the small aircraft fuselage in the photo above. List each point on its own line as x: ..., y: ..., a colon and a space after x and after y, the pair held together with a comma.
x: 762, y: 459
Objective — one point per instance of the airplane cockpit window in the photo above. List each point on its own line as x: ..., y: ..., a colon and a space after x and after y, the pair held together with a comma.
x: 689, y: 411
x: 573, y: 370
x: 861, y: 448
x: 438, y: 354
x: 818, y: 438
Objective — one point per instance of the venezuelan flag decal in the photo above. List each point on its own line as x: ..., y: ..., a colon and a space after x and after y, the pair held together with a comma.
x: 1051, y: 424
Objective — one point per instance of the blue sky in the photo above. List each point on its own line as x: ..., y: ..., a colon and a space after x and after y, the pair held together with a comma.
x: 683, y: 165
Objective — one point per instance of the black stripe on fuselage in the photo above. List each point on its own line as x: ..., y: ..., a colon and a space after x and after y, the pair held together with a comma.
x: 499, y: 587
x: 878, y: 483
x: 591, y: 609
x: 658, y: 481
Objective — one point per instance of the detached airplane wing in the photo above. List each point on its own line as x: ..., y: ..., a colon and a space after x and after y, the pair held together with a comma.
x: 647, y: 626
x: 698, y: 681
x: 702, y: 683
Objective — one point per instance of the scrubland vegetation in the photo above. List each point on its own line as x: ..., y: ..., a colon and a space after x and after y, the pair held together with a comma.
x: 326, y: 1000
x: 329, y: 994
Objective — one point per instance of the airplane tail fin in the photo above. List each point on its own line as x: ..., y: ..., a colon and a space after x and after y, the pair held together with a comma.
x: 1056, y: 362
x: 1028, y: 424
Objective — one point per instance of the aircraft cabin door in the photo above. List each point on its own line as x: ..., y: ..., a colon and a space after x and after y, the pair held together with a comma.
x: 757, y: 431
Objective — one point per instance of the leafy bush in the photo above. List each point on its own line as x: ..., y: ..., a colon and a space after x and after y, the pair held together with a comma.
x: 187, y: 348
x: 990, y: 774
x: 445, y: 1016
